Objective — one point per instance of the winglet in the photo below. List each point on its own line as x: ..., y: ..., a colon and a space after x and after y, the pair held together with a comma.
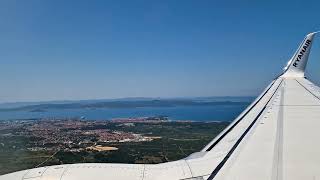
x: 297, y: 64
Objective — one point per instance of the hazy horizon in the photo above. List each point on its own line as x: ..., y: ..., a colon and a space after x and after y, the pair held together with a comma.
x: 122, y: 99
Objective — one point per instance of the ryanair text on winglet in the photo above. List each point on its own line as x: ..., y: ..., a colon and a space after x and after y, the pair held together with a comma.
x: 301, y: 53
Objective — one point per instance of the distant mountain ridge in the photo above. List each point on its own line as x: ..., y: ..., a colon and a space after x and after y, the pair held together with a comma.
x: 126, y: 103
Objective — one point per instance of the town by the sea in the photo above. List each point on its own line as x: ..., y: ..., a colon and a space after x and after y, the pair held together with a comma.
x: 139, y: 130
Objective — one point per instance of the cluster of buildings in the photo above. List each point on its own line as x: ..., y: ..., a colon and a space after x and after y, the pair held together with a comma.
x: 71, y: 135
x: 152, y: 119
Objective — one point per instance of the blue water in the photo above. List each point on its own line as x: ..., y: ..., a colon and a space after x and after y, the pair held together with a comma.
x: 194, y: 113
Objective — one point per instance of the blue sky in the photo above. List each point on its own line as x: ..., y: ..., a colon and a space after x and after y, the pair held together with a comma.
x: 66, y: 50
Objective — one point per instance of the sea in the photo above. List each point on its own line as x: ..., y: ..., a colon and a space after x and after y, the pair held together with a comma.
x: 186, y: 113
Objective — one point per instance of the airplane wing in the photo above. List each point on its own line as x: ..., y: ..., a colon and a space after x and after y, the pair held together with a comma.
x: 276, y: 137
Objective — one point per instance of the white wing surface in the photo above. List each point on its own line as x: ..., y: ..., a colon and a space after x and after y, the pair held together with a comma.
x: 276, y: 137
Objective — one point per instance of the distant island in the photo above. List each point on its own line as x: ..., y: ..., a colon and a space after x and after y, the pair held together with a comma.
x: 129, y: 103
x: 38, y: 110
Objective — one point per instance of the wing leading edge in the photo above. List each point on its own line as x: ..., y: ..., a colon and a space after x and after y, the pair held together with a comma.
x: 274, y: 138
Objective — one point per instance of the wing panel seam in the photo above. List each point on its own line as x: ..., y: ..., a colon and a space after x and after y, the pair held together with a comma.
x: 220, y: 165
x: 307, y: 89
x: 240, y: 119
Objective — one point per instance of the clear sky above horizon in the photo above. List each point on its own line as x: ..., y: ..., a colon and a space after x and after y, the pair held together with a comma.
x: 68, y: 50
